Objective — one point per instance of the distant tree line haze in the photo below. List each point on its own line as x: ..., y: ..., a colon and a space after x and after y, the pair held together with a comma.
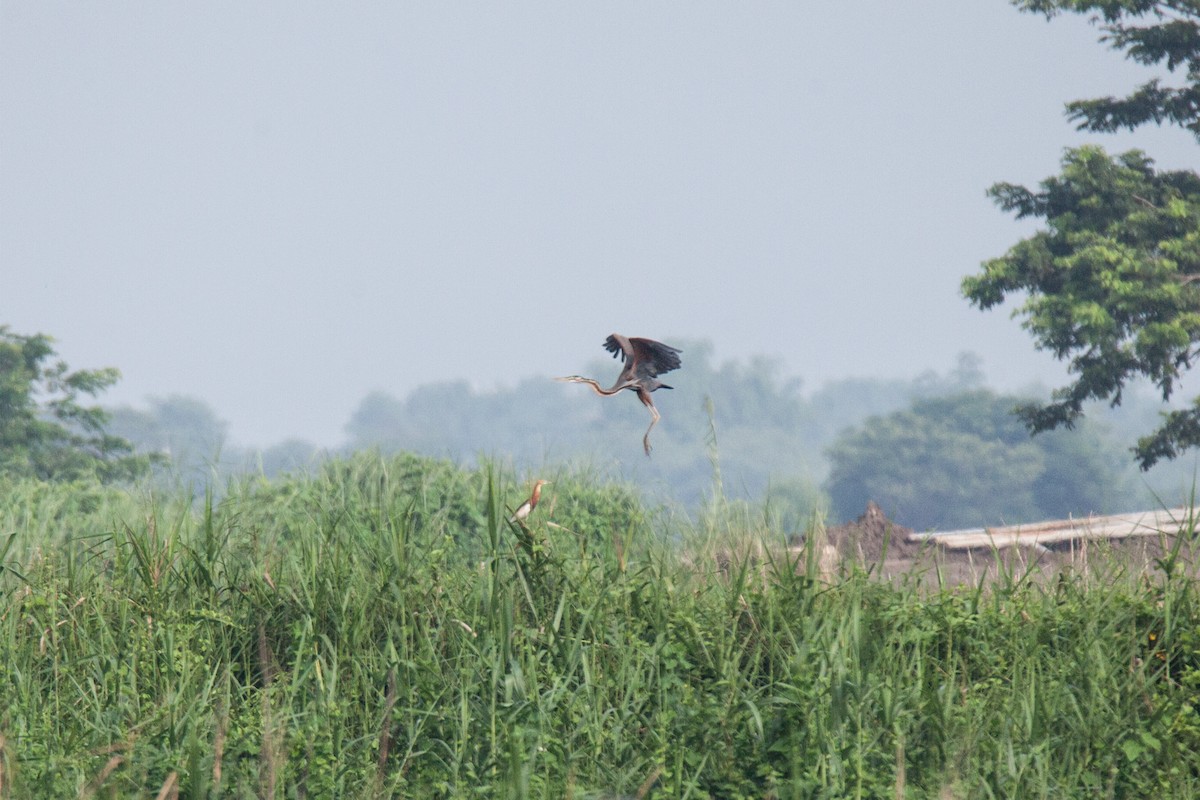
x: 966, y: 460
x: 936, y: 451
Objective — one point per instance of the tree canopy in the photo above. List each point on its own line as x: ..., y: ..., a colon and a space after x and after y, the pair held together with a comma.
x: 1112, y: 284
x: 1171, y: 40
x: 45, y: 431
x: 963, y: 460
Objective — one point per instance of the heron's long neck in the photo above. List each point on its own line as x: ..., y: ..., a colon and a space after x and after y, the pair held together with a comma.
x: 601, y: 391
x: 535, y: 497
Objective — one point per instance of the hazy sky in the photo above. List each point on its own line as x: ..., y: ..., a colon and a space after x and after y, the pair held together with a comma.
x: 280, y: 206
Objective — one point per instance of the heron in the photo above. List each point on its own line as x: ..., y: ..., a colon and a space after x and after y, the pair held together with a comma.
x: 645, y: 360
x: 526, y: 508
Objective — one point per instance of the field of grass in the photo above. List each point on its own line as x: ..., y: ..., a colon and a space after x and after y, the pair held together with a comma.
x: 380, y: 630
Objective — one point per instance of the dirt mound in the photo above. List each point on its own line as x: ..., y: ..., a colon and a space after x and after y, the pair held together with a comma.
x: 873, y: 537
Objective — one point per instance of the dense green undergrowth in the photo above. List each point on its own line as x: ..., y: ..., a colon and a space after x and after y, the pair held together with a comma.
x: 380, y: 630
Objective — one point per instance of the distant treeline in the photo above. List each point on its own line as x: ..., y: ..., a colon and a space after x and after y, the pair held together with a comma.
x: 936, y: 451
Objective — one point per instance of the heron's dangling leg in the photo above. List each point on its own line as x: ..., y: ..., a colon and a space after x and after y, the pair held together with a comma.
x: 654, y: 418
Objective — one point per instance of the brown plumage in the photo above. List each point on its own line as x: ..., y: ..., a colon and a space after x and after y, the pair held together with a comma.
x: 526, y: 508
x: 645, y: 360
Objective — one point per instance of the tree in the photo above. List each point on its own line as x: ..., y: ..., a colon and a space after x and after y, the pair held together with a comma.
x: 1112, y: 285
x: 186, y: 437
x: 291, y: 455
x: 45, y: 432
x: 186, y: 429
x: 1174, y: 40
x: 963, y: 461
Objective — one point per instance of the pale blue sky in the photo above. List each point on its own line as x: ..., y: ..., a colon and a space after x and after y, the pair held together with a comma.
x: 278, y: 207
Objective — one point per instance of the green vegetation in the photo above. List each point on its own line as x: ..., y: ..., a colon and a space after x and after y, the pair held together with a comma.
x: 966, y: 461
x: 44, y: 430
x: 1110, y: 285
x: 1151, y: 32
x: 379, y: 630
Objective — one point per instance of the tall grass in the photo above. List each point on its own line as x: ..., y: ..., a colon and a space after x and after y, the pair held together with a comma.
x: 380, y: 630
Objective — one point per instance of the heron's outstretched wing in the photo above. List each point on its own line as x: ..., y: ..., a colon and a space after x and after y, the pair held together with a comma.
x: 622, y: 349
x: 619, y: 346
x: 654, y: 358
x: 644, y: 358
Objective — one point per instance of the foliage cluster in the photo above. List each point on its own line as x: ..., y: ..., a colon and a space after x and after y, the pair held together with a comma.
x: 45, y: 431
x: 1151, y: 32
x: 341, y: 636
x: 966, y: 461
x: 1110, y: 285
x: 370, y: 491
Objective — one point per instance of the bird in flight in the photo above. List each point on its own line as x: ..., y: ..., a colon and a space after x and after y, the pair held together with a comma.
x: 526, y: 508
x: 645, y: 360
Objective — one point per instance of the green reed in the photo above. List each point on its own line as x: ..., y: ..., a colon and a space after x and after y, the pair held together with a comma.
x: 378, y: 629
